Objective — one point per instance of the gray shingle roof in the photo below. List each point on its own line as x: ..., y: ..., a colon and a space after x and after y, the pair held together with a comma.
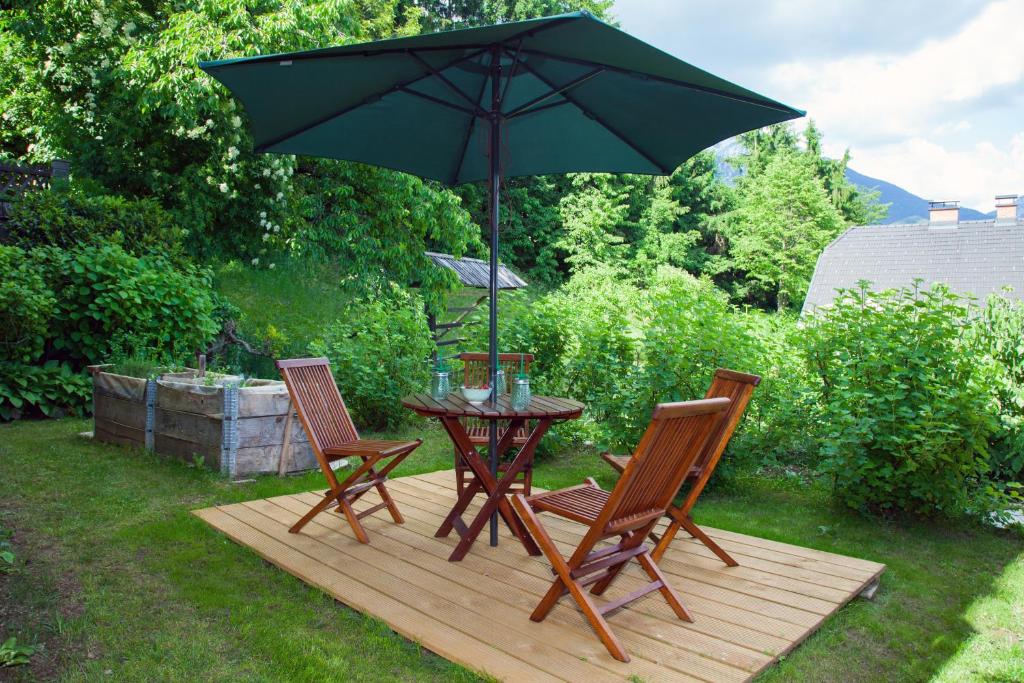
x: 474, y: 272
x: 972, y: 257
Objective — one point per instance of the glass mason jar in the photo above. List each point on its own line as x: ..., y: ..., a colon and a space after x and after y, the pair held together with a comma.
x: 520, y: 393
x: 499, y: 384
x: 440, y: 385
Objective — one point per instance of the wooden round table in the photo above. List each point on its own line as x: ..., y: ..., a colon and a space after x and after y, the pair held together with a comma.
x: 542, y: 411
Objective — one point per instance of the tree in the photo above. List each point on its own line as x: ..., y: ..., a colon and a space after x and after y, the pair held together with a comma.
x: 116, y: 87
x: 443, y: 15
x: 782, y: 222
x: 701, y: 196
x: 591, y: 215
x: 859, y: 207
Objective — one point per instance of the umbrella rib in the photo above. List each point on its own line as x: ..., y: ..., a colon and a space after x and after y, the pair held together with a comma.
x: 671, y: 81
x: 590, y: 114
x: 366, y: 100
x: 524, y: 109
x: 512, y: 71
x: 469, y: 133
x: 441, y: 77
x: 543, y: 107
x: 443, y: 103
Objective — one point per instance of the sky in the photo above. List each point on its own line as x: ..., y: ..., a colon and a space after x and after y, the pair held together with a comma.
x: 926, y: 94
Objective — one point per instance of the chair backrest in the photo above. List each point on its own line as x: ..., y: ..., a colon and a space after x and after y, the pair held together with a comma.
x: 319, y: 403
x: 674, y: 439
x: 737, y: 387
x: 475, y: 367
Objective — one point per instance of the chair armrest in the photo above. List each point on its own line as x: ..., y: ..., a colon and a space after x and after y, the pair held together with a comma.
x: 618, y: 462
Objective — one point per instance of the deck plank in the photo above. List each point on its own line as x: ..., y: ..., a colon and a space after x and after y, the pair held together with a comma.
x: 745, y: 617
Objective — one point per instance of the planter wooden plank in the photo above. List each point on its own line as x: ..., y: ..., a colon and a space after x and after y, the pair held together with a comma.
x: 122, y: 411
x: 264, y: 459
x: 120, y: 386
x: 114, y: 432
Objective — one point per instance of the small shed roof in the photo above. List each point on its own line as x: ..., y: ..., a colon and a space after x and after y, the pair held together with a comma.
x: 971, y: 257
x: 474, y: 272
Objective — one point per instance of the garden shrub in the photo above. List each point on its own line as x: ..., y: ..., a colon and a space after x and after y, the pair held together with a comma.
x: 999, y: 333
x: 104, y: 293
x: 72, y: 216
x: 26, y: 305
x: 80, y: 306
x: 906, y: 408
x: 782, y: 423
x: 53, y: 389
x: 379, y: 352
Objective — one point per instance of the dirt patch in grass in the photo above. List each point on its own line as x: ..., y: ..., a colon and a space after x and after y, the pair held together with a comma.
x: 39, y: 598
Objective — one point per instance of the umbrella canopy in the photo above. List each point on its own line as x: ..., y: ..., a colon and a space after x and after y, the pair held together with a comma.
x: 552, y: 95
x: 575, y: 95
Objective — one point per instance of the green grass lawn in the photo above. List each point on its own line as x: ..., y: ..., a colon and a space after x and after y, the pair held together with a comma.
x: 115, y: 580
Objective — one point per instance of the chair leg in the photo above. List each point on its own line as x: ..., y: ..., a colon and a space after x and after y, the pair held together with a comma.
x: 390, y: 502
x: 329, y: 499
x: 353, y: 521
x: 671, y: 597
x: 685, y: 522
x: 564, y: 582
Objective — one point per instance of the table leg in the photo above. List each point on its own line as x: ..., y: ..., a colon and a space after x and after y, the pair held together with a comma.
x: 482, y: 479
x: 497, y: 491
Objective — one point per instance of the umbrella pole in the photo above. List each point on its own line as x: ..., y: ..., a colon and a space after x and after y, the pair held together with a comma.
x: 494, y: 186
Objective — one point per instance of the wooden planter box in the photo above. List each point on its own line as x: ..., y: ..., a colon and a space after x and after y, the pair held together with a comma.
x: 238, y: 431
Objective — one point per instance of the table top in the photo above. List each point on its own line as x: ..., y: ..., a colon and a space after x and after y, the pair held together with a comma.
x: 457, y: 406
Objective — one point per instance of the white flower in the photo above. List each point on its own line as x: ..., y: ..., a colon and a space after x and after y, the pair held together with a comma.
x: 236, y: 121
x: 271, y: 266
x: 232, y: 152
x: 266, y: 172
x: 255, y: 261
x: 280, y: 196
x: 257, y: 186
x: 263, y: 214
x: 223, y: 187
x: 277, y: 228
x: 266, y: 236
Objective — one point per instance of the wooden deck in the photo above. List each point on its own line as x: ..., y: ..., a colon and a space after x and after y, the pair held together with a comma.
x: 475, y: 612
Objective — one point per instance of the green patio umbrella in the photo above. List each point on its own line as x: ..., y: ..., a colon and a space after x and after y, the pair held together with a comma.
x: 552, y: 95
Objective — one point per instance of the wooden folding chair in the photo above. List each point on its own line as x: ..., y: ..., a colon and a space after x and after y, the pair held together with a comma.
x: 333, y: 436
x: 737, y: 387
x: 668, y: 449
x: 474, y: 374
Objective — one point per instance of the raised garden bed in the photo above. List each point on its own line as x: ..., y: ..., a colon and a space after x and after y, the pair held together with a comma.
x: 238, y: 430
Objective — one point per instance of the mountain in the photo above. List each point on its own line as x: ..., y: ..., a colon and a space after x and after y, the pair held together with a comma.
x: 905, y: 207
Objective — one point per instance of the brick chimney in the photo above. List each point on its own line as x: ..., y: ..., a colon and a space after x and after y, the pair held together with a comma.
x: 946, y: 212
x: 1006, y: 208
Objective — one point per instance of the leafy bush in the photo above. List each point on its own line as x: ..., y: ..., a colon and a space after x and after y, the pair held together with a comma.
x: 379, y: 352
x: 64, y: 309
x: 70, y: 217
x: 104, y: 293
x: 52, y: 390
x: 1000, y: 338
x: 906, y: 406
x: 782, y: 424
x: 26, y: 305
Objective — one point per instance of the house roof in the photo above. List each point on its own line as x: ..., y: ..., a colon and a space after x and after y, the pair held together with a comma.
x: 474, y: 272
x: 971, y: 257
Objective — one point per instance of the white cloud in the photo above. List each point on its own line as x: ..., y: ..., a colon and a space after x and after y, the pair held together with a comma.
x: 896, y: 95
x: 903, y: 115
x: 973, y: 175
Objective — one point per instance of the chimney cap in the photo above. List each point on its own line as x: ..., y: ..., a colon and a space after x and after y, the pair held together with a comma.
x: 944, y: 204
x: 1006, y: 199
